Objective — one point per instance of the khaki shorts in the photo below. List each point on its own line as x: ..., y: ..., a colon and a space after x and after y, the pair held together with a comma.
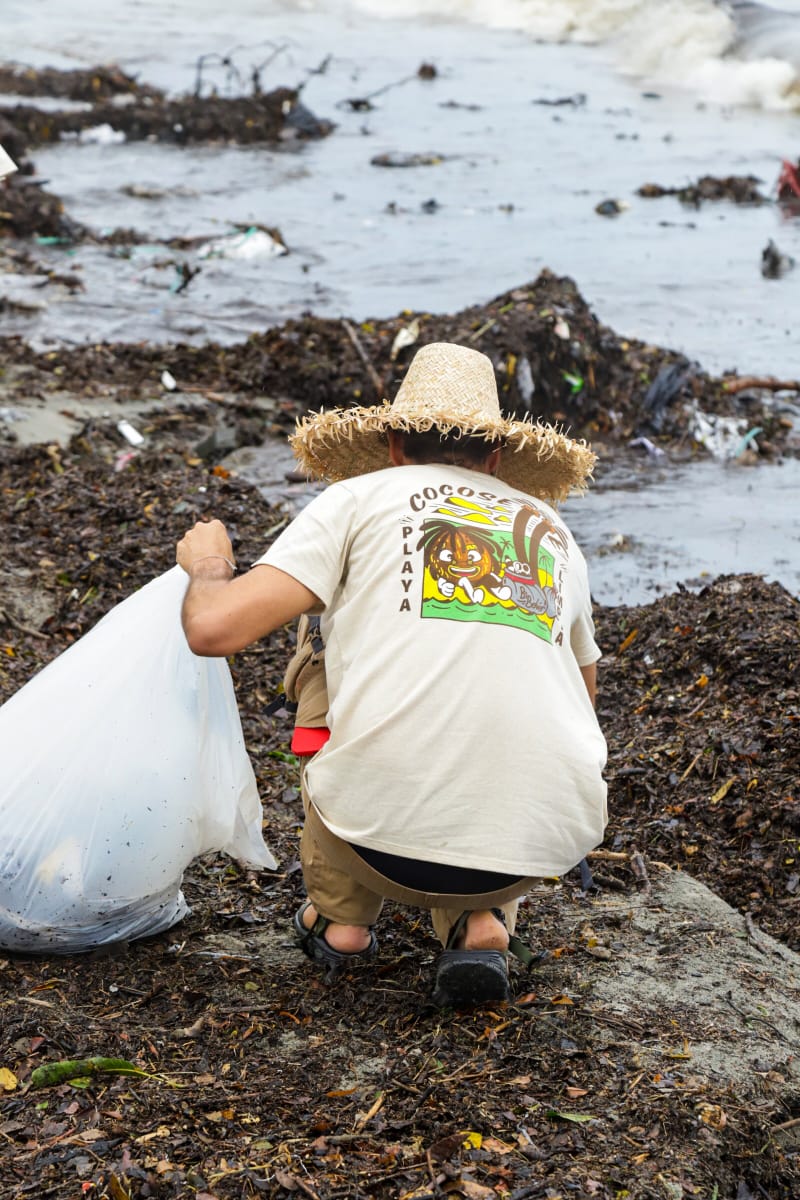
x: 347, y: 890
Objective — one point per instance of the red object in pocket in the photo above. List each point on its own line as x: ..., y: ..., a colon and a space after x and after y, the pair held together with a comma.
x: 308, y: 741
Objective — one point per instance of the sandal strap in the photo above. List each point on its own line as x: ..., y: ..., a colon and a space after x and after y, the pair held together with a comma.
x: 515, y: 945
x: 457, y: 929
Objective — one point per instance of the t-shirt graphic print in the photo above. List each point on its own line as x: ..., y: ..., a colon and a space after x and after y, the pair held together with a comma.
x: 498, y: 561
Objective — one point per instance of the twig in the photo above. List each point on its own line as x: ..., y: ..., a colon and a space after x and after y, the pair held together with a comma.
x: 362, y: 354
x: 6, y: 617
x: 362, y: 103
x: 691, y: 766
x: 483, y: 329
x: 738, y: 384
x: 640, y: 871
x: 788, y: 1124
x: 752, y: 933
x: 366, y: 1117
x: 617, y: 856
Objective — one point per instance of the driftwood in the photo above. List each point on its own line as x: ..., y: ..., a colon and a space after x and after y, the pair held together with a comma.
x: 744, y: 382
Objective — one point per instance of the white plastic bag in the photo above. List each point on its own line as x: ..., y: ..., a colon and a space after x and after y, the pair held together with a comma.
x: 121, y: 762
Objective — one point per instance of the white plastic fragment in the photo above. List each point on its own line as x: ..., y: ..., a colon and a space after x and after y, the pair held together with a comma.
x: 101, y: 135
x: 168, y: 381
x: 407, y: 336
x: 652, y: 449
x: 720, y: 435
x: 525, y: 381
x: 251, y: 243
x: 7, y: 164
x: 130, y: 434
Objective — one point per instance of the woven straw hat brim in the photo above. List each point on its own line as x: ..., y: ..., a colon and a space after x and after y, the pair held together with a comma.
x: 537, y: 459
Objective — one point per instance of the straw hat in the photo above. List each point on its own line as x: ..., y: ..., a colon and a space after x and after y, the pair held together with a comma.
x: 453, y: 389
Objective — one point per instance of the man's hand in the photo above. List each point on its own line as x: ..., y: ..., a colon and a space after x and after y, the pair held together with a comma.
x: 220, y: 614
x: 207, y: 539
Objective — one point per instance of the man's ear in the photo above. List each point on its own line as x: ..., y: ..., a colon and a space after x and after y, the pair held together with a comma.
x: 493, y: 461
x: 396, y: 456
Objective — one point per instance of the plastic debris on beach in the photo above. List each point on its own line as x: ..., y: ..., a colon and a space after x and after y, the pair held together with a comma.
x: 722, y: 436
x: 130, y: 433
x: 407, y: 336
x: 774, y: 264
x: 7, y: 164
x: 610, y: 208
x: 246, y: 244
x: 644, y: 443
x: 101, y: 135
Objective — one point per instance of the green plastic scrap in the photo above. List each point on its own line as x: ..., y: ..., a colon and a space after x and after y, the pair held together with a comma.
x: 575, y: 382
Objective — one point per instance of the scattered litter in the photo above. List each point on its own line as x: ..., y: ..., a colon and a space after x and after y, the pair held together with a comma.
x: 525, y: 381
x: 788, y: 186
x: 430, y: 206
x: 664, y: 390
x: 7, y: 164
x: 561, y: 329
x: 610, y: 208
x: 774, y: 264
x: 130, y: 434
x: 168, y: 381
x: 748, y: 440
x: 101, y: 135
x: 184, y: 276
x: 397, y: 159
x: 407, y: 336
x: 124, y: 459
x: 721, y: 436
x: 247, y: 244
x: 427, y: 71
x: 653, y: 451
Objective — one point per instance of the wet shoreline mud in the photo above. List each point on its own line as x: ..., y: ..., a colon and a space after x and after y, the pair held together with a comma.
x: 652, y: 1053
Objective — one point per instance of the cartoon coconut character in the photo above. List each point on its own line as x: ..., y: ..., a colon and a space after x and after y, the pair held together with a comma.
x: 460, y: 557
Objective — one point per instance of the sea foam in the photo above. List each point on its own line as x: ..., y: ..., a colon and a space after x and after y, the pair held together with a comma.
x: 726, y: 53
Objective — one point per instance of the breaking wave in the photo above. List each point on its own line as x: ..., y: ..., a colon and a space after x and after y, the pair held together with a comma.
x: 728, y: 53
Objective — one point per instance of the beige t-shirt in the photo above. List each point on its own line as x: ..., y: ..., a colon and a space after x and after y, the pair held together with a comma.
x: 457, y: 615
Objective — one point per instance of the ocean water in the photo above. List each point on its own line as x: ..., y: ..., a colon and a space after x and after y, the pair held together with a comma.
x: 539, y: 110
x: 515, y: 191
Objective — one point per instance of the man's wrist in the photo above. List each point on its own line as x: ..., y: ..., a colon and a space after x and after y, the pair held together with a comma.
x: 214, y: 566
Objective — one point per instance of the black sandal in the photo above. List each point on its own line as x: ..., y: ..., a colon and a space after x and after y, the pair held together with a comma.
x: 314, y: 943
x: 465, y: 978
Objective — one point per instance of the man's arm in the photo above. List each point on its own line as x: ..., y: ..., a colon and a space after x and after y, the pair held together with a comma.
x: 220, y: 614
x: 590, y: 679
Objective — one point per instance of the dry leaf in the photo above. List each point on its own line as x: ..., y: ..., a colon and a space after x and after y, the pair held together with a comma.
x: 722, y: 792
